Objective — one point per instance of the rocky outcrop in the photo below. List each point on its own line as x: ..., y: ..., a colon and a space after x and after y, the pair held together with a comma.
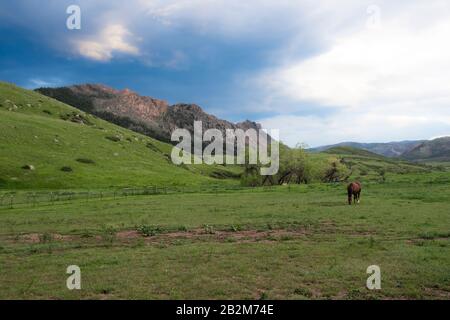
x: 146, y: 115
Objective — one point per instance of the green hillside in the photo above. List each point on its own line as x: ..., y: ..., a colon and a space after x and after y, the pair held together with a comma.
x: 45, y: 144
x: 352, y: 151
x: 366, y: 166
x: 437, y: 150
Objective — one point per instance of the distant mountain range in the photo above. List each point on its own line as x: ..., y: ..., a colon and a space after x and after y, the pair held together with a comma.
x: 146, y: 115
x: 418, y: 150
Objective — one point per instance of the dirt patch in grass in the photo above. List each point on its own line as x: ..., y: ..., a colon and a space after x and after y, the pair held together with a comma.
x: 199, y: 234
x: 42, y: 238
x: 437, y: 293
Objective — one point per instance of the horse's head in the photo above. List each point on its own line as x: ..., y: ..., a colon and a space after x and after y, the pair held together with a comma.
x: 349, y: 198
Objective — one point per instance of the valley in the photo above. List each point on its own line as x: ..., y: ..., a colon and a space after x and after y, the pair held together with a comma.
x: 78, y: 190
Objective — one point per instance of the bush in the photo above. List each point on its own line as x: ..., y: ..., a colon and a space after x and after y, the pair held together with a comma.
x: 148, y: 231
x: 45, y: 237
x: 335, y: 171
x: 295, y: 166
x: 76, y: 117
x: 208, y: 229
x: 108, y: 234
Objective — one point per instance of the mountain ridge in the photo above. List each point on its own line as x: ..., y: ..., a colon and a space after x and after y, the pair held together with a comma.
x: 143, y: 114
x: 432, y: 150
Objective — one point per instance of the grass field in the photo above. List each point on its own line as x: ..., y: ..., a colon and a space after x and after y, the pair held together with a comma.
x: 297, y: 242
x: 76, y: 190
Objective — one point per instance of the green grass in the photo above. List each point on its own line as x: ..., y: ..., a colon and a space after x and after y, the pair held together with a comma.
x: 66, y: 154
x: 402, y: 225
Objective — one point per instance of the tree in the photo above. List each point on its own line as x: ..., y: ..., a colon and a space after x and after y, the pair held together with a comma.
x: 335, y: 171
x: 295, y: 166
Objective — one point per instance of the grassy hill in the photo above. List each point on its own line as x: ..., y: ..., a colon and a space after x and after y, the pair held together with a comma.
x: 434, y: 150
x: 366, y: 165
x: 46, y: 144
x: 345, y: 150
x: 387, y: 149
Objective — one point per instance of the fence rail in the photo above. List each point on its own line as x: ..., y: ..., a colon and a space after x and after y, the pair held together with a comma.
x: 13, y: 198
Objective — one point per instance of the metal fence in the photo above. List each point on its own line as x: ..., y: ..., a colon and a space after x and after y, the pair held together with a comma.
x: 14, y: 198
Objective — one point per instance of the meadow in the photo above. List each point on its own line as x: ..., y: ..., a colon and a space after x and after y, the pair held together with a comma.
x: 285, y: 242
x: 77, y: 190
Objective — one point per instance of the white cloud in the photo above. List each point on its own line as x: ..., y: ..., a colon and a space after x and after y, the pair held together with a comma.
x: 113, y: 38
x: 38, y: 82
x: 389, y: 64
x: 380, y: 84
x: 233, y: 18
x: 364, y: 127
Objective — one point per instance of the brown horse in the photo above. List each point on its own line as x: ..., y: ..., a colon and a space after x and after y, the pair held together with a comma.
x: 354, y: 189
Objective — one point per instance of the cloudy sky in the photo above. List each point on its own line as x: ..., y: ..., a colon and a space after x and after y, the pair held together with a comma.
x: 321, y: 71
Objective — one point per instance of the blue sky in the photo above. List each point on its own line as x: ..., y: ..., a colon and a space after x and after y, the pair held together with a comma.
x: 320, y: 71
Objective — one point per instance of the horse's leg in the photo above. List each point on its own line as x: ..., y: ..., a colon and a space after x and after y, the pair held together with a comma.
x: 359, y: 195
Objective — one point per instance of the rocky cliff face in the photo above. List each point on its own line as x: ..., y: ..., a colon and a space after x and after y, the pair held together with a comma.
x: 146, y: 115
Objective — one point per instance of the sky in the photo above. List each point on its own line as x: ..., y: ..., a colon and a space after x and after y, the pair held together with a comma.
x: 320, y: 71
